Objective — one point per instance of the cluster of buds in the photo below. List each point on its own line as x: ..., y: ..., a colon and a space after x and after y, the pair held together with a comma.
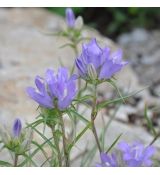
x: 72, y: 22
x: 72, y: 29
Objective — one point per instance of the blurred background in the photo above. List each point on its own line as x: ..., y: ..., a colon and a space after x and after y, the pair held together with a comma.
x: 114, y: 21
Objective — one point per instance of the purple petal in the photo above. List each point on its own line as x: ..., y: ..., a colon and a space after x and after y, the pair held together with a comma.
x: 51, y: 81
x: 123, y: 146
x: 109, y: 69
x: 117, y: 56
x: 92, y: 53
x: 62, y: 74
x: 42, y: 100
x: 40, y: 85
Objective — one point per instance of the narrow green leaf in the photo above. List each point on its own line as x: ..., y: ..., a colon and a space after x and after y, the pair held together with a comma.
x: 28, y: 158
x: 113, y: 144
x: 34, y: 152
x: 108, y: 102
x: 45, y: 138
x: 84, y: 98
x: 5, y: 164
x: 149, y: 122
x: 79, y: 136
x: 86, y: 161
x: 115, y: 86
x: 79, y: 116
x: 66, y: 45
x: 36, y: 123
x: 40, y: 148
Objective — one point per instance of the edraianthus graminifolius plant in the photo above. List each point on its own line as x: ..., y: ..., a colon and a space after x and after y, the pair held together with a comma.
x: 98, y: 64
x: 55, y: 90
x: 129, y: 155
x: 18, y: 139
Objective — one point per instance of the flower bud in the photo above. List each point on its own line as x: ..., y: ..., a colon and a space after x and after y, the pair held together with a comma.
x: 92, y: 71
x: 79, y: 23
x: 70, y: 18
x: 17, y: 127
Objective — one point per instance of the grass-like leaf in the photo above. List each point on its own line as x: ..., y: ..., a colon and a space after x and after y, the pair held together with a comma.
x: 40, y: 148
x: 5, y: 164
x: 34, y: 152
x: 79, y: 136
x: 36, y: 123
x: 79, y: 116
x: 108, y: 102
x: 149, y: 122
x: 28, y: 158
x: 86, y: 161
x: 114, y: 143
x: 44, y: 138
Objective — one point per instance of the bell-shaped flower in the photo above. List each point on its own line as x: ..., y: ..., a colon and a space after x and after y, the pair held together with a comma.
x: 136, y: 154
x: 99, y: 62
x: 128, y: 155
x: 56, y: 90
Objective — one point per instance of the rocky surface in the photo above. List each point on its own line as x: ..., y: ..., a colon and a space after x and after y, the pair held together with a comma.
x: 25, y: 51
x: 142, y: 48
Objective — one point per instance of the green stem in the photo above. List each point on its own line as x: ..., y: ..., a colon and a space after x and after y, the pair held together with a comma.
x: 57, y: 146
x: 15, y: 160
x: 66, y: 154
x: 75, y: 48
x: 93, y: 117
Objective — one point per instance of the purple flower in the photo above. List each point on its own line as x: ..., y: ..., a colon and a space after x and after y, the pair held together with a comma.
x: 133, y: 155
x: 98, y: 63
x: 136, y: 154
x: 70, y: 18
x: 55, y: 90
x: 17, y: 127
x: 108, y: 161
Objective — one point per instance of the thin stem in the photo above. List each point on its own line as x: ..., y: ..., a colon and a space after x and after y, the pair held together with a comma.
x: 75, y: 49
x: 93, y: 117
x: 15, y: 160
x: 57, y: 146
x: 66, y: 154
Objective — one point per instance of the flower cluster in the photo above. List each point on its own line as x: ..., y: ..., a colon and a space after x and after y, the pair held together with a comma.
x: 54, y: 91
x: 96, y: 63
x: 133, y: 155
